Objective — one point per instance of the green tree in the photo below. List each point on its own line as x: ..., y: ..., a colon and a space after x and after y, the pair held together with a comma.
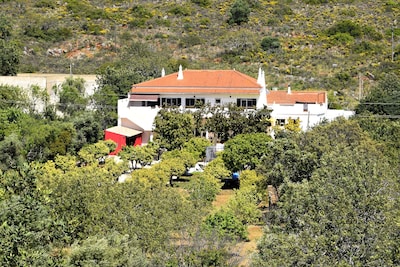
x: 72, y: 96
x: 95, y: 153
x: 197, y: 147
x: 203, y: 189
x: 270, y: 44
x: 244, y: 205
x: 173, y: 128
x: 217, y: 168
x: 5, y: 28
x: 11, y: 152
x: 284, y: 159
x: 245, y: 151
x: 225, y: 224
x: 12, y: 96
x: 384, y: 98
x: 88, y: 130
x: 239, y: 12
x: 9, y: 58
x: 344, y: 215
x: 139, y: 155
x: 112, y: 249
x: 27, y: 231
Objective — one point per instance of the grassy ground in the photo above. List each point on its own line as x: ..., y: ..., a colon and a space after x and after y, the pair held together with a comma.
x: 245, y: 249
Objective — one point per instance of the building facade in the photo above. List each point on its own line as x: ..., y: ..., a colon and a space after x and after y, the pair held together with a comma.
x: 188, y: 88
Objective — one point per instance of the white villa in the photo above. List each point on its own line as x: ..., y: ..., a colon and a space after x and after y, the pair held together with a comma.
x: 183, y: 89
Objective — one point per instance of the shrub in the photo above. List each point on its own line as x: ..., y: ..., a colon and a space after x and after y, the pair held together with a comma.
x: 270, y: 44
x: 347, y: 27
x: 202, y: 3
x: 239, y: 12
x: 224, y: 223
x: 183, y: 10
x: 189, y: 41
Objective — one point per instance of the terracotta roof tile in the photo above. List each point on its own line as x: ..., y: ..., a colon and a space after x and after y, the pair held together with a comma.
x: 282, y: 97
x: 201, y: 81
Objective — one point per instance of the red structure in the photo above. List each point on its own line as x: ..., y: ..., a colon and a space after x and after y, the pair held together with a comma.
x: 123, y: 136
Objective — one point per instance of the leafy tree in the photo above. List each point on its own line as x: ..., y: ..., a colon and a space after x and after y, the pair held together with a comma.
x: 244, y: 205
x: 39, y: 99
x: 142, y: 155
x: 5, y: 28
x: 11, y: 152
x: 187, y: 159
x: 224, y: 223
x: 239, y: 12
x: 203, y: 189
x: 245, y: 151
x: 12, y: 96
x: 384, y: 98
x: 232, y: 120
x: 384, y: 131
x: 345, y: 26
x: 270, y: 44
x: 293, y: 125
x: 27, y: 230
x: 95, y: 153
x: 344, y: 215
x: 197, y: 147
x: 284, y: 159
x: 217, y: 168
x: 112, y: 249
x: 9, y: 58
x: 72, y: 96
x: 173, y: 128
x: 88, y: 130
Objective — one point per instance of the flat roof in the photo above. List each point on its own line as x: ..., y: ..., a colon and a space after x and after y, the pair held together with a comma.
x: 121, y: 130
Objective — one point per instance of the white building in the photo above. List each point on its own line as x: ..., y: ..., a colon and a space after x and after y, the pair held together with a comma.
x: 218, y: 87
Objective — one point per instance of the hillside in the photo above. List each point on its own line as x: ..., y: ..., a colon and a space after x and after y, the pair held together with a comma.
x: 340, y: 46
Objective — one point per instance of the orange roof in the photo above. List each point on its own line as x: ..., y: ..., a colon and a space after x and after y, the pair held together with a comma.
x: 200, y: 81
x: 282, y: 97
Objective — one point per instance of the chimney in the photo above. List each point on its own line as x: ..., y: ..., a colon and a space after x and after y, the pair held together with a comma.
x: 180, y: 73
x: 289, y: 91
x: 162, y: 72
x: 259, y: 76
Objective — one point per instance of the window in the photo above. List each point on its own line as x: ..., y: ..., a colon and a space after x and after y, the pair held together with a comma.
x: 170, y: 102
x: 280, y: 122
x: 247, y: 102
x: 218, y: 101
x: 194, y: 102
x: 305, y: 107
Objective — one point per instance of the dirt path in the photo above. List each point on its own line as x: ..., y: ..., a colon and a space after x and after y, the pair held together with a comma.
x: 245, y: 249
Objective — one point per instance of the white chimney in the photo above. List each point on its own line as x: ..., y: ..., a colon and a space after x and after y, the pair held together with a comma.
x: 162, y: 72
x: 289, y: 91
x: 262, y: 98
x: 259, y: 76
x: 180, y: 73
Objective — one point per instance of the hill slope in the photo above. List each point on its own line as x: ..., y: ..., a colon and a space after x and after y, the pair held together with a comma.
x: 342, y: 46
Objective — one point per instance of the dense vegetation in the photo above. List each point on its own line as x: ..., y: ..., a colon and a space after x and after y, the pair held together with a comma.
x: 62, y: 202
x: 331, y: 45
x: 61, y: 199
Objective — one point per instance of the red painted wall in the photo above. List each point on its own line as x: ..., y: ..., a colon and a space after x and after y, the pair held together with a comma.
x: 121, y: 141
x: 117, y: 138
x: 138, y: 140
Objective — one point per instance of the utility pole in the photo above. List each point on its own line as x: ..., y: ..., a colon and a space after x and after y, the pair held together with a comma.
x: 393, y: 24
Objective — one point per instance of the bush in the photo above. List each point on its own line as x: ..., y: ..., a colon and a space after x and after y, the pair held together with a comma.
x: 202, y: 3
x: 225, y: 224
x: 270, y: 44
x: 239, y: 13
x: 345, y: 27
x: 189, y: 41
